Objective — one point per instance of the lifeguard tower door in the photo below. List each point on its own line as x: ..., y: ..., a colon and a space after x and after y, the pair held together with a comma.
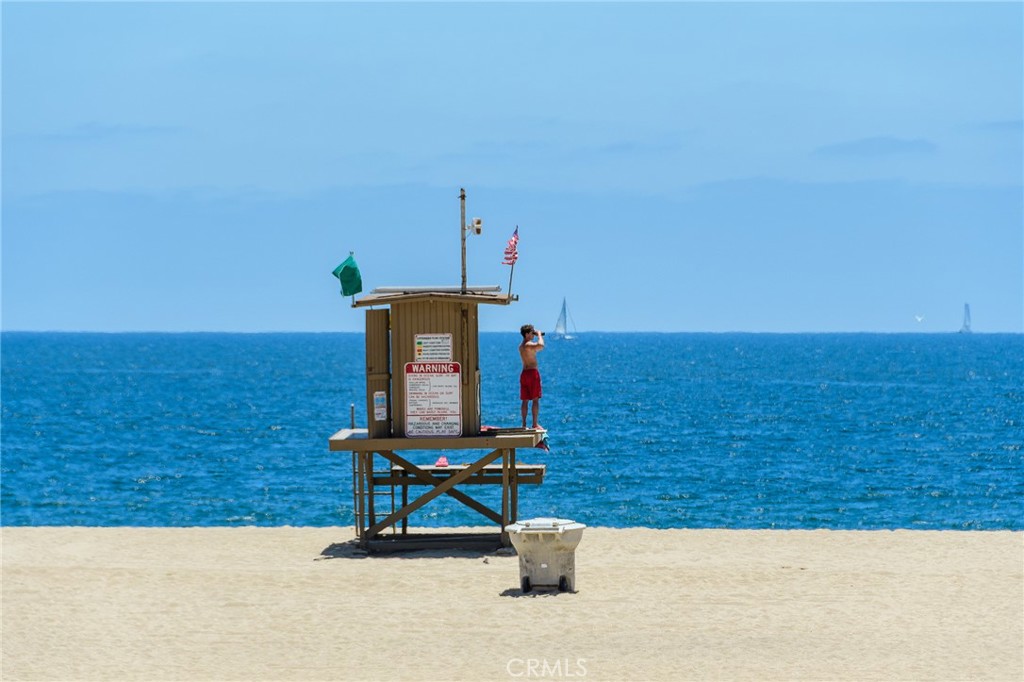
x: 378, y: 374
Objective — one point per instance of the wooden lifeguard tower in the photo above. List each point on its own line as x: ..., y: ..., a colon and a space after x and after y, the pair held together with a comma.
x: 423, y: 394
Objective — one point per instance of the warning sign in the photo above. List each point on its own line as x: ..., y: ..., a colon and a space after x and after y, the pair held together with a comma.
x: 433, y: 400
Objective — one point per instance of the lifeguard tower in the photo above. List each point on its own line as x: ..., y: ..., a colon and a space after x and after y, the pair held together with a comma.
x: 423, y: 395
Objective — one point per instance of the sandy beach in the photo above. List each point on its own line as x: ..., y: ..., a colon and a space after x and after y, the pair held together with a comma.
x: 305, y: 604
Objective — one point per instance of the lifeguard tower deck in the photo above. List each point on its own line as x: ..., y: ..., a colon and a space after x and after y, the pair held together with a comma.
x: 423, y: 396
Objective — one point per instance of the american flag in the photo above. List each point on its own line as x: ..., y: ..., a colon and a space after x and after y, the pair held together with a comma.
x: 512, y: 250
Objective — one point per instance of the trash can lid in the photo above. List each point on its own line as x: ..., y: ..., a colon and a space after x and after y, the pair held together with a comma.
x: 544, y: 524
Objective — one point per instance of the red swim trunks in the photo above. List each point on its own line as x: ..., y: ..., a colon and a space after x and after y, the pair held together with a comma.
x: 529, y: 384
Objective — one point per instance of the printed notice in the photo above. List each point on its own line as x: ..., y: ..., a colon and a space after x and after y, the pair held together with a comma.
x: 433, y: 347
x: 433, y: 399
x: 380, y: 406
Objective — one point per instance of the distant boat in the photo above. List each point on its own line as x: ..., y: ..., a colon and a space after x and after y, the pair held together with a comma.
x: 561, y: 331
x: 966, y: 329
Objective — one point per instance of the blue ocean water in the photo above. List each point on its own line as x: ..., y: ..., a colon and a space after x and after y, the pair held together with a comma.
x: 840, y: 431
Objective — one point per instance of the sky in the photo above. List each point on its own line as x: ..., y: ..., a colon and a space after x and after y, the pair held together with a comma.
x: 673, y: 166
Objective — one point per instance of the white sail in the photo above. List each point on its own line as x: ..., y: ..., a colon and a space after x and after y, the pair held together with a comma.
x: 966, y: 329
x: 561, y: 329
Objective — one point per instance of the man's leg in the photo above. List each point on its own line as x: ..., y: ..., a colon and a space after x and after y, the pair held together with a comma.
x: 536, y: 410
x: 524, y: 412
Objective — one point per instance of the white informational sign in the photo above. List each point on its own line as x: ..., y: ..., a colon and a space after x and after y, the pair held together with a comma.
x: 433, y: 399
x: 380, y: 406
x: 433, y: 347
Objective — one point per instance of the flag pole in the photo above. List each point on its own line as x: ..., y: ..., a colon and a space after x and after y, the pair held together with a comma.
x: 512, y: 270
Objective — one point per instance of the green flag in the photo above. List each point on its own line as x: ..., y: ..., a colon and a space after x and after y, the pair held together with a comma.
x: 348, y: 274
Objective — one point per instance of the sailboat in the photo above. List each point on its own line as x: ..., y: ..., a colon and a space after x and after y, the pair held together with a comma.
x: 561, y: 331
x: 966, y: 329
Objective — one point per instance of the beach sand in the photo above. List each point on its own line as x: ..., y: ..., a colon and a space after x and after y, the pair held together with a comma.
x: 302, y: 604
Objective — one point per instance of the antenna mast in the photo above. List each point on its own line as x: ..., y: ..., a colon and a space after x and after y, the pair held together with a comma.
x: 462, y: 233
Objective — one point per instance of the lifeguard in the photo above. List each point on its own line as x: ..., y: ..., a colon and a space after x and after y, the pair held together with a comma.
x: 529, y: 378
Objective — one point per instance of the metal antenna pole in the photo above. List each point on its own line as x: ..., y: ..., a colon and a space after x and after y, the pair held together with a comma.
x: 462, y: 234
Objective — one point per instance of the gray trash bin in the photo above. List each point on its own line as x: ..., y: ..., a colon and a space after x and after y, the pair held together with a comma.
x: 547, y: 552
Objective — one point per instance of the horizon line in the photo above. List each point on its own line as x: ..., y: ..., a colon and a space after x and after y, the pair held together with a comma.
x: 492, y: 331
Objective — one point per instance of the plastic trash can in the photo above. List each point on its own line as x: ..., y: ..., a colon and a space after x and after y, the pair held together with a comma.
x: 547, y: 552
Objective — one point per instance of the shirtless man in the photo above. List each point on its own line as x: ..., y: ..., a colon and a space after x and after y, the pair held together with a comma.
x: 529, y: 379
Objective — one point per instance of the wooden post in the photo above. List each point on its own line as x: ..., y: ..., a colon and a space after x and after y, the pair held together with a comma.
x: 515, y: 489
x: 505, y: 457
x: 355, y: 491
x: 370, y: 491
x: 361, y: 493
x: 405, y: 503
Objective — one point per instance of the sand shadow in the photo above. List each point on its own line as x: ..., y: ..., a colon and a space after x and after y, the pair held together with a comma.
x: 343, y: 550
x: 352, y: 550
x: 517, y: 593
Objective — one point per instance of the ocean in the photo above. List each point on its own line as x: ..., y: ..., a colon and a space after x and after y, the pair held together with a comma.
x: 688, y: 430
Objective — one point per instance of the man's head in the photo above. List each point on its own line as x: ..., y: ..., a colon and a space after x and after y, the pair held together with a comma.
x: 527, y: 331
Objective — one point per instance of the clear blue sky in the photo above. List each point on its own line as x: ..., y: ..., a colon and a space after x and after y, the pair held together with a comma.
x: 672, y: 166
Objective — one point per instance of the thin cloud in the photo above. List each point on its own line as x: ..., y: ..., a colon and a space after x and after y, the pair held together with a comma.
x: 1015, y: 125
x: 873, y: 147
x: 95, y: 131
x: 626, y: 147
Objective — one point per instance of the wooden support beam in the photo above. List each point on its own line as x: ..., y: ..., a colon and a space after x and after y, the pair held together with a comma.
x: 524, y: 474
x: 439, y: 490
x: 356, y: 439
x: 428, y: 479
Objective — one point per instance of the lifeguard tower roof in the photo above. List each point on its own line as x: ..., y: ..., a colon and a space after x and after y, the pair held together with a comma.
x: 477, y: 294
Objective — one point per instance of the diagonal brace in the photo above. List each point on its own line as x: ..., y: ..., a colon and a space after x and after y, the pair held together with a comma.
x: 440, y: 488
x: 434, y: 481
